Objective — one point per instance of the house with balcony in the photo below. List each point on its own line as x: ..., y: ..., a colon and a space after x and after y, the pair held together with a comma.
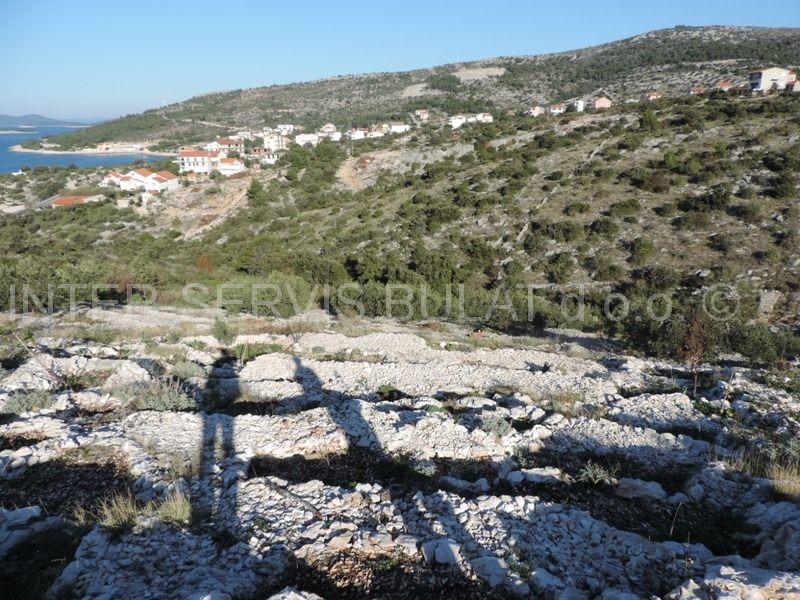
x: 201, y: 162
x: 772, y: 78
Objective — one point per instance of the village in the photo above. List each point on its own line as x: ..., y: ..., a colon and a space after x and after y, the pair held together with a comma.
x: 229, y: 156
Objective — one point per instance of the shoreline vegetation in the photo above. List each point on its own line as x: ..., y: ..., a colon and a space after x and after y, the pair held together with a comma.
x: 112, y: 148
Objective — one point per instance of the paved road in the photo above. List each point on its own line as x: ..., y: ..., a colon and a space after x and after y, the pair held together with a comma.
x: 45, y: 202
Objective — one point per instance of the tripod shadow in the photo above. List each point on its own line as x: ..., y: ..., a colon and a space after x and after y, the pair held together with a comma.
x: 438, y: 534
x: 347, y: 415
x: 217, y: 446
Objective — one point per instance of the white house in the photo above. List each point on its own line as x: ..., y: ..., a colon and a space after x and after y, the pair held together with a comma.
x: 270, y: 158
x: 396, y: 127
x: 246, y: 134
x: 375, y: 133
x: 142, y: 179
x: 456, y: 121
x: 229, y: 145
x: 163, y: 181
x: 484, y: 117
x: 230, y: 166
x: 652, y: 95
x: 274, y: 140
x: 327, y: 128
x: 772, y: 78
x: 422, y: 114
x: 285, y: 129
x: 193, y: 160
x: 356, y: 134
x: 335, y: 136
x: 301, y: 139
x: 112, y: 179
x: 558, y: 109
x: 535, y: 111
x: 579, y: 105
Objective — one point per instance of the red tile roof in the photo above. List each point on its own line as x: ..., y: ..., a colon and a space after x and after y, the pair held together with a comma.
x: 69, y: 201
x: 166, y: 175
x: 143, y: 172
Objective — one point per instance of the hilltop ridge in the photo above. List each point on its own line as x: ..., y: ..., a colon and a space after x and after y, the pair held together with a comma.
x: 669, y: 60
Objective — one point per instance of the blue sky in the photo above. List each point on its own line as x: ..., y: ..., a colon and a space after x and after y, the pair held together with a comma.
x: 96, y: 58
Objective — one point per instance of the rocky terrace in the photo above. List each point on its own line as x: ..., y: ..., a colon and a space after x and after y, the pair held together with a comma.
x: 392, y: 462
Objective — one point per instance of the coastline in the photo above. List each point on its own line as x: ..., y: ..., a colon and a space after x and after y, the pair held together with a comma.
x: 110, y: 150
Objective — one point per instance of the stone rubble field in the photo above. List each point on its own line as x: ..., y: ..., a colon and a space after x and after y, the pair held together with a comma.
x: 391, y: 462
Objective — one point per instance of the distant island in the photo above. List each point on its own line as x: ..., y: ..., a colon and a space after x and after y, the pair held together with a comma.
x: 36, y: 121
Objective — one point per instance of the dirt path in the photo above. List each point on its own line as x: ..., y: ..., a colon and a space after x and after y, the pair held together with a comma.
x: 229, y: 204
x: 347, y: 175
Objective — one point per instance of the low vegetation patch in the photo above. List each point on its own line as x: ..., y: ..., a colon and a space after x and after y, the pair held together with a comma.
x: 158, y: 395
x: 24, y: 402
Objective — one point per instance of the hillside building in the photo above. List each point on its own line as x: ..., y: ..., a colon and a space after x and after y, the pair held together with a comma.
x: 202, y: 162
x: 772, y: 78
x: 602, y: 103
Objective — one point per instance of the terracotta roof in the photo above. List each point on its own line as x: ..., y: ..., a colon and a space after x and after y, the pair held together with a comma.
x: 229, y: 161
x: 166, y: 175
x: 198, y: 153
x: 69, y: 201
x: 228, y: 142
x: 143, y: 172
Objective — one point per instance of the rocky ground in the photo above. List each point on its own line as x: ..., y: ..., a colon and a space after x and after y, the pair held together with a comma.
x: 324, y: 459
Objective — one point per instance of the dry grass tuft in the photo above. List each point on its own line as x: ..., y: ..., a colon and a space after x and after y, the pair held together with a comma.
x: 118, y: 512
x: 786, y: 479
x: 176, y: 508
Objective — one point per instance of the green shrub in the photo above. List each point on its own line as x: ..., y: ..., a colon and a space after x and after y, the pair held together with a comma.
x: 247, y: 352
x: 157, y: 395
x: 496, y: 425
x: 278, y: 295
x: 604, y: 228
x: 186, y: 369
x: 222, y: 331
x: 759, y: 343
x: 642, y: 249
x: 576, y: 208
x: 444, y: 82
x: 625, y: 208
x: 24, y: 402
x: 559, y: 267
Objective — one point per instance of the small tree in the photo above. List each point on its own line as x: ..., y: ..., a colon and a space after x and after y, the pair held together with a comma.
x: 256, y: 195
x: 649, y: 121
x: 695, y: 345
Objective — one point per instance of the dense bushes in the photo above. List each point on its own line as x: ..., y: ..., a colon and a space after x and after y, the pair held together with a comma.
x: 669, y: 337
x: 278, y: 295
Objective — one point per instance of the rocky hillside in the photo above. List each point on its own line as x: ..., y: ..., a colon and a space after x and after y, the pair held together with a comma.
x: 353, y: 459
x: 670, y: 60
